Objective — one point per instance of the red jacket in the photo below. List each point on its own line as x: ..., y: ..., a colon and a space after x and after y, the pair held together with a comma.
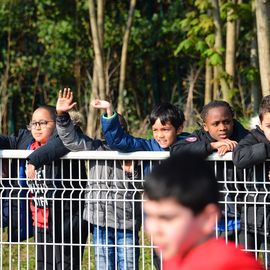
x: 214, y: 254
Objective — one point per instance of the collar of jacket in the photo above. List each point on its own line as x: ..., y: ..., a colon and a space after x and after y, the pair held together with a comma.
x: 259, y: 135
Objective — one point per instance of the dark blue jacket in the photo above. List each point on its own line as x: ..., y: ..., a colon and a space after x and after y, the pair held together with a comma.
x: 118, y: 139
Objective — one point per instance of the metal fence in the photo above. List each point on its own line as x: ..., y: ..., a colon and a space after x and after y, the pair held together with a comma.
x: 87, y: 211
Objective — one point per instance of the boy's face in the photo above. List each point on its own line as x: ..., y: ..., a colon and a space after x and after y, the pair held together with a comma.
x: 219, y: 123
x: 165, y: 135
x: 174, y: 228
x: 42, y: 125
x: 265, y: 125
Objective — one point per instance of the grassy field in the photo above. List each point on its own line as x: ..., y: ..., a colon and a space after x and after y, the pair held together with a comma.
x: 22, y: 256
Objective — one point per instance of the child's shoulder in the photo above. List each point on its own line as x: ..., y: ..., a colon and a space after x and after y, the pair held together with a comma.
x: 258, y: 135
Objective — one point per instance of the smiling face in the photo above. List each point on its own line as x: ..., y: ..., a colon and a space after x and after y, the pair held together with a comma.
x: 219, y: 123
x: 265, y: 125
x: 165, y: 135
x: 41, y: 133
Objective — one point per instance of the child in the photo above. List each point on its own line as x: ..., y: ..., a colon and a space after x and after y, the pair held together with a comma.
x: 181, y: 209
x: 47, y: 213
x: 110, y: 194
x: 167, y: 126
x: 254, y: 149
x: 220, y: 133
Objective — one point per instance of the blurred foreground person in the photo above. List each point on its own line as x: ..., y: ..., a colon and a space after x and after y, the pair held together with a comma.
x: 181, y: 213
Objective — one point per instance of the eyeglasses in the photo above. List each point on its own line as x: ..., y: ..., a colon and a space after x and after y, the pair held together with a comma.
x: 42, y: 124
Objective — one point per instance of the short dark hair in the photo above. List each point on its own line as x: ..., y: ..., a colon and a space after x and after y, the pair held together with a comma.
x: 167, y: 112
x: 216, y: 104
x: 264, y: 107
x: 186, y: 178
x: 51, y: 109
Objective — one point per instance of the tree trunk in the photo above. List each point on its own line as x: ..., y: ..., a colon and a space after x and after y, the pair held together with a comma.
x: 256, y: 93
x: 208, y: 82
x: 120, y: 104
x: 263, y: 37
x: 219, y: 45
x: 230, y: 46
x: 98, y: 50
x: 189, y: 111
x: 92, y: 112
x: 216, y: 94
x: 4, y: 87
x: 100, y: 23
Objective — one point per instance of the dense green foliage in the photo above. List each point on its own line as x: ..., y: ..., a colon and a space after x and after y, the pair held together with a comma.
x: 47, y: 45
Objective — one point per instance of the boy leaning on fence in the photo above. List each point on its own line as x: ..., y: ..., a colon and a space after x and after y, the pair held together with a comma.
x: 41, y: 137
x: 181, y: 209
x: 112, y: 195
x: 220, y: 133
x: 254, y: 149
x: 166, y: 123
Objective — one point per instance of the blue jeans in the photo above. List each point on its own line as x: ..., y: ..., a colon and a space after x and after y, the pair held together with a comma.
x: 114, y: 249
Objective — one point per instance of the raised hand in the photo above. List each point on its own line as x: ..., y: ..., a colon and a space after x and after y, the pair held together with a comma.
x: 103, y: 104
x: 65, y: 101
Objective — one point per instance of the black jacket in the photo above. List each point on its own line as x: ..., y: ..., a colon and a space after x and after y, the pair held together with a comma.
x: 45, y: 155
x: 251, y: 153
x: 199, y: 142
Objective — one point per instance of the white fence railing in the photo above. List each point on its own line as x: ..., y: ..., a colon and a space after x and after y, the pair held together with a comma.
x: 87, y: 211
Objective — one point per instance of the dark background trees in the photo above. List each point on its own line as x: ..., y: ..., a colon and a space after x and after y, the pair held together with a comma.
x: 134, y: 53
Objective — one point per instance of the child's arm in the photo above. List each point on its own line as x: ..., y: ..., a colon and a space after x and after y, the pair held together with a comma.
x: 53, y: 150
x: 224, y: 146
x: 5, y: 142
x: 11, y: 142
x: 250, y: 152
x: 71, y: 136
x: 193, y: 144
x: 116, y: 137
x: 196, y: 143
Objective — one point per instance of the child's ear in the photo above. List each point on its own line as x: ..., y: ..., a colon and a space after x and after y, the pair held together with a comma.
x: 209, y: 218
x: 205, y: 127
x: 179, y: 130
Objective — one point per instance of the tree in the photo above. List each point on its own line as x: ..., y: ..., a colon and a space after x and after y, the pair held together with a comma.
x: 231, y: 43
x: 263, y: 37
x: 122, y: 79
x: 220, y: 72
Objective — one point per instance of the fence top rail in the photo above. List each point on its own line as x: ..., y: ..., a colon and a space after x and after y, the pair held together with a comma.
x: 109, y: 155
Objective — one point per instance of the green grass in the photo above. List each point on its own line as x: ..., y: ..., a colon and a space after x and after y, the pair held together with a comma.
x: 22, y: 256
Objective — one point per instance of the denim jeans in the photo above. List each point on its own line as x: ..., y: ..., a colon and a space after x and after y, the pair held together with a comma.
x: 114, y: 249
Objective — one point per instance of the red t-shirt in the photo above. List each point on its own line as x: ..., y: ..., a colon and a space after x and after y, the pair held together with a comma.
x: 40, y: 214
x: 214, y: 254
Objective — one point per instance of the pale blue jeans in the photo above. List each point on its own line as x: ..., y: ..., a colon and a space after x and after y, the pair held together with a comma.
x: 115, y: 249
